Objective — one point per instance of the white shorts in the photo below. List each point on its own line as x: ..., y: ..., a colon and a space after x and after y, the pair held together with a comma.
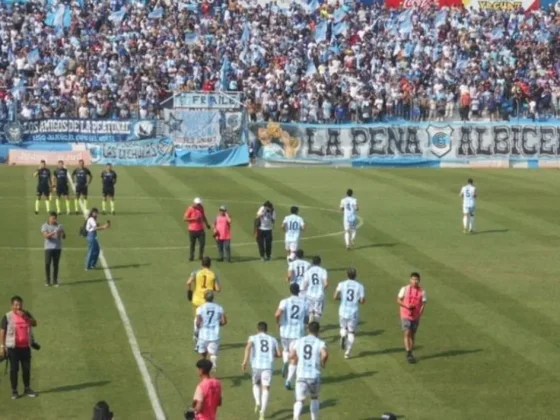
x: 350, y: 224
x: 262, y: 377
x: 287, y: 343
x: 206, y: 346
x: 316, y: 306
x: 468, y: 210
x: 305, y: 387
x: 291, y: 246
x: 349, y: 324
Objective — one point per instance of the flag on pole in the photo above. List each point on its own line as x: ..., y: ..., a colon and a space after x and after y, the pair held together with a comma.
x: 321, y: 32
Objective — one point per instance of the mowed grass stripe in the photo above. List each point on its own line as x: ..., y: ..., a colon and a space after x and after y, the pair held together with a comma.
x: 478, y: 291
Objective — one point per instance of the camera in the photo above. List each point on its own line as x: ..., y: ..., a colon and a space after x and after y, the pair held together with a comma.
x: 190, y: 414
x: 35, y: 345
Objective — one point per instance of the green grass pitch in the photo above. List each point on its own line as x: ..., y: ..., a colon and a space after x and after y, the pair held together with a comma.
x: 488, y: 344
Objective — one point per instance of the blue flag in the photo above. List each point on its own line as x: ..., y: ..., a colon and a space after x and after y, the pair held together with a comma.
x: 321, y: 31
x: 314, y: 5
x: 440, y: 19
x: 311, y: 69
x: 59, y: 18
x: 246, y: 33
x: 117, y: 17
x: 60, y: 68
x: 339, y: 14
x: 33, y: 56
x: 497, y: 33
x: 157, y: 13
x: 224, y: 82
x: 18, y: 88
x: 340, y: 28
x: 190, y: 37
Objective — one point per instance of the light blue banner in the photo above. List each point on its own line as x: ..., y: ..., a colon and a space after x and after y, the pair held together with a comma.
x: 499, y: 144
x: 236, y: 156
x: 141, y: 153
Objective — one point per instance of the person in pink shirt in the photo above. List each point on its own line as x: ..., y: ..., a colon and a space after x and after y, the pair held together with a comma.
x: 222, y: 233
x: 208, y: 394
x: 412, y: 301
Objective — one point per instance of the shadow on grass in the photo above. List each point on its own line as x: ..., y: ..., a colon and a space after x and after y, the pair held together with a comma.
x: 117, y: 267
x: 76, y: 387
x: 236, y: 380
x: 399, y: 416
x: 450, y: 353
x: 482, y: 232
x: 288, y: 413
x: 230, y: 346
x: 381, y: 352
x: 84, y: 282
x: 373, y: 333
x: 347, y: 377
x: 235, y: 260
x: 387, y: 245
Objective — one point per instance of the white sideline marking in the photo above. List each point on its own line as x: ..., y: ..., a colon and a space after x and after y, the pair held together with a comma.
x: 152, y: 394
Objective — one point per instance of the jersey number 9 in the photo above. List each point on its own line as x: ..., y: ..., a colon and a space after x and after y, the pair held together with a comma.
x: 307, y: 351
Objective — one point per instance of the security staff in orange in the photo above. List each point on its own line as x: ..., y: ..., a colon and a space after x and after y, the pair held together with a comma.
x: 196, y: 219
x: 201, y: 281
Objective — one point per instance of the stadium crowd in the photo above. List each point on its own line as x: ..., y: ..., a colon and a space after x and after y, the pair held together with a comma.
x: 314, y: 63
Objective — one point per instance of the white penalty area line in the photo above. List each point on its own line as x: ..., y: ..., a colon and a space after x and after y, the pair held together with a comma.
x: 150, y: 388
x: 173, y: 248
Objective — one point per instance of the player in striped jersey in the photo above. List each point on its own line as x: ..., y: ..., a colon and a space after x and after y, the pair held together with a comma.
x: 351, y: 295
x: 468, y: 194
x: 297, y: 269
x: 209, y: 318
x: 315, y: 281
x: 293, y: 225
x: 349, y: 207
x: 291, y: 316
x: 262, y: 348
x: 310, y: 355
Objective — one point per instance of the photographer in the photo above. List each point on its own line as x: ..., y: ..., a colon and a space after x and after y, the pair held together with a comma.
x: 196, y: 219
x: 16, y: 341
x: 264, y: 223
x: 207, y: 396
x: 91, y: 228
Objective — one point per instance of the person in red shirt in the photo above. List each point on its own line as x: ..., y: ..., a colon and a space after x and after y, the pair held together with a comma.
x: 208, y: 394
x: 222, y: 233
x: 16, y: 341
x: 196, y: 219
x: 412, y: 301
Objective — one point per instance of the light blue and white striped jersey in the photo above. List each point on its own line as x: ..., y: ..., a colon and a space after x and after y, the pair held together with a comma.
x: 211, y: 314
x: 294, y: 314
x: 350, y: 206
x: 308, y: 350
x: 468, y: 192
x: 263, y: 352
x: 314, y: 282
x: 351, y: 292
x: 298, y: 269
x: 293, y: 225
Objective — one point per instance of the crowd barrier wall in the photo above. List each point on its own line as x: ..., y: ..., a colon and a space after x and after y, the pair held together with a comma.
x: 147, y: 152
x: 500, y: 144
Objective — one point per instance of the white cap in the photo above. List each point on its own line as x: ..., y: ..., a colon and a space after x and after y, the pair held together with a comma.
x: 197, y: 200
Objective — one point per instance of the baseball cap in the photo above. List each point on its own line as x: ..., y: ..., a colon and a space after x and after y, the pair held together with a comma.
x: 197, y: 200
x: 223, y: 208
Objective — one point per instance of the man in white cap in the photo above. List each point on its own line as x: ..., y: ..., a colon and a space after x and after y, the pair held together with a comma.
x: 196, y: 219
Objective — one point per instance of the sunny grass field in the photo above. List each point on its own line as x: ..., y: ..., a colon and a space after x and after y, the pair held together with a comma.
x: 488, y: 344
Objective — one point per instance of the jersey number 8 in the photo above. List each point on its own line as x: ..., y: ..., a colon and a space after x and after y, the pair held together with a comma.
x: 264, y: 346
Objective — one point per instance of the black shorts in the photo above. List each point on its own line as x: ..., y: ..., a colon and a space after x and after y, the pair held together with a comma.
x: 108, y: 191
x: 43, y: 190
x: 82, y: 190
x: 62, y: 190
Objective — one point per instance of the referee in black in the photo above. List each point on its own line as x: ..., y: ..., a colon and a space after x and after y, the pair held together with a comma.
x: 264, y: 223
x: 53, y: 233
